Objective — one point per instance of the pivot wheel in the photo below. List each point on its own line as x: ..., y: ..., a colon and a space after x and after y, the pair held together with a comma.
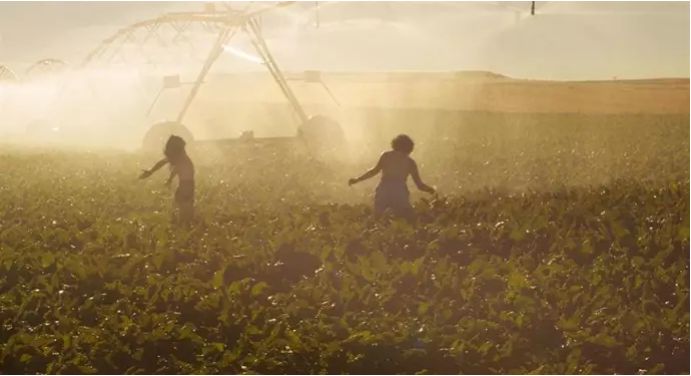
x: 156, y: 137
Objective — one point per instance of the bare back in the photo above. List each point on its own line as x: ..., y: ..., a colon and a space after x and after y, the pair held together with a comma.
x: 395, y: 166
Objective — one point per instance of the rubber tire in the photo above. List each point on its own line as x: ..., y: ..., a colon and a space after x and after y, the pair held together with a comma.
x: 156, y: 137
x: 322, y: 134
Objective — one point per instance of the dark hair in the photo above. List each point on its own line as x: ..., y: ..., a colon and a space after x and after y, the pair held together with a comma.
x: 175, y: 146
x: 403, y: 144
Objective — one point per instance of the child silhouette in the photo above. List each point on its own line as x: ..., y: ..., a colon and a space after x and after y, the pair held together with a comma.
x: 395, y: 166
x: 180, y: 165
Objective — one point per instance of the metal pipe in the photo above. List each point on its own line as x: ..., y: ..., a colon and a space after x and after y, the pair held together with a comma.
x: 263, y: 50
x: 215, y: 52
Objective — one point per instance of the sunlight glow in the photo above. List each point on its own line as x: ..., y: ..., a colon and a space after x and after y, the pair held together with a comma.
x: 243, y: 55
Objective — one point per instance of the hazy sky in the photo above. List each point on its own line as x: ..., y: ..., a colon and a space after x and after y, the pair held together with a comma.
x: 565, y: 40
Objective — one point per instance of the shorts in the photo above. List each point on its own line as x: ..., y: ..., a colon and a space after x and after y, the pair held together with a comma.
x: 185, y: 192
x: 394, y: 197
x: 183, y: 209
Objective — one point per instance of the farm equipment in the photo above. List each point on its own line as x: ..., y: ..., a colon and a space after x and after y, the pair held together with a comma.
x: 317, y: 132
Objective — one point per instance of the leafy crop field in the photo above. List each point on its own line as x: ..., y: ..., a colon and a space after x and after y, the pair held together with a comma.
x: 558, y: 244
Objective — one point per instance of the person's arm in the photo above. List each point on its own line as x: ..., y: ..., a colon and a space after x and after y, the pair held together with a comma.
x: 370, y: 173
x: 418, y: 182
x: 157, y: 166
x: 173, y: 172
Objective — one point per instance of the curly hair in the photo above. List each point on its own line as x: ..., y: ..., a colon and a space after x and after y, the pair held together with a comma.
x: 175, y: 146
x: 402, y: 143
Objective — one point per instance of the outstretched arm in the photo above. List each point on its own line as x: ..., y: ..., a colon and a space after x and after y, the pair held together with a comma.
x: 156, y: 167
x: 370, y: 173
x: 418, y: 182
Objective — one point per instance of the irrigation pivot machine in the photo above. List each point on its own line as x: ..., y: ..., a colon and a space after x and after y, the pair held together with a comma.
x: 317, y: 132
x: 218, y: 23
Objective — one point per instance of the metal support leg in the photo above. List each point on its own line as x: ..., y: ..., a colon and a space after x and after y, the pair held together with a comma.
x: 263, y: 50
x: 215, y: 52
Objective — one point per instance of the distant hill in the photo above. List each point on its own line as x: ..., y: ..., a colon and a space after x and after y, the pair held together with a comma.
x: 460, y: 90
